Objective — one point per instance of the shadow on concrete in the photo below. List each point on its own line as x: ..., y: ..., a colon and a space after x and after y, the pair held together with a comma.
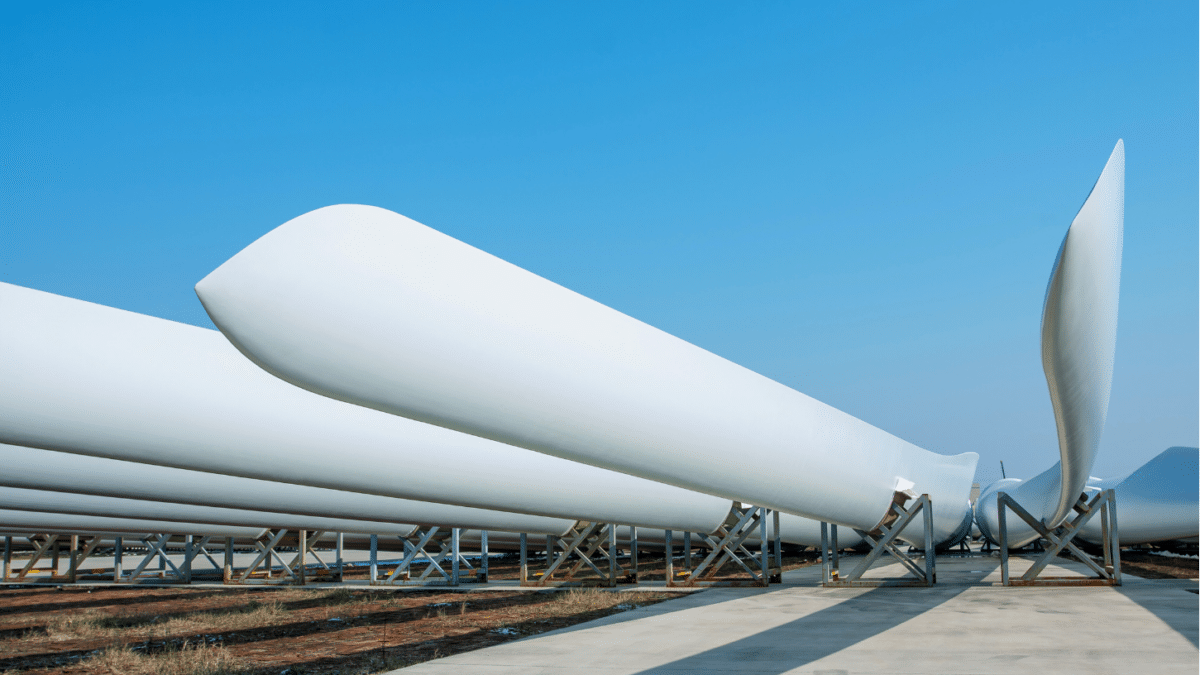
x: 817, y: 635
x: 1169, y: 601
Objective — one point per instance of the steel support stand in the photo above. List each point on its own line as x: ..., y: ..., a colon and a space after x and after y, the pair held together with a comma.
x: 1060, y: 538
x: 156, y: 549
x: 583, y: 541
x: 79, y: 556
x: 7, y: 558
x: 40, y: 548
x: 883, y: 540
x: 267, y: 552
x: 728, y: 545
x: 417, y: 546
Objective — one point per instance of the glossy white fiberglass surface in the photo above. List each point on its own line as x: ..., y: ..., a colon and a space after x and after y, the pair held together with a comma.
x: 88, y: 379
x: 1079, y: 333
x: 367, y: 306
x: 21, y: 499
x: 36, y: 469
x: 40, y: 522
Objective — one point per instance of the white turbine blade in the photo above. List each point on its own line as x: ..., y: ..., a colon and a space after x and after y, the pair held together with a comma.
x: 1079, y: 329
x: 1079, y: 339
x: 1157, y: 502
x: 369, y: 307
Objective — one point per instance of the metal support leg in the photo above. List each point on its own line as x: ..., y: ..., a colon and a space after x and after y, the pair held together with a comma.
x: 612, y: 554
x: 524, y: 558
x: 303, y: 549
x: 778, y: 546
x: 7, y: 558
x: 54, y: 554
x: 374, y: 564
x: 341, y: 562
x: 633, y: 553
x: 186, y: 573
x: 482, y: 575
x: 930, y: 553
x: 827, y: 574
x: 687, y: 551
x: 73, y: 561
x: 118, y: 553
x: 670, y: 557
x: 762, y: 546
x: 227, y: 572
x: 835, y: 554
x: 454, y: 553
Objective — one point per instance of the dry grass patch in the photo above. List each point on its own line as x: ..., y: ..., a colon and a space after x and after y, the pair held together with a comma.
x: 256, y: 632
x: 95, y: 623
x: 187, y: 660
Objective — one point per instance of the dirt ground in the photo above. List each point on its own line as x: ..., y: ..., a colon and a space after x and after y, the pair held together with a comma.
x: 254, y: 631
x: 1149, y: 566
x: 273, y: 630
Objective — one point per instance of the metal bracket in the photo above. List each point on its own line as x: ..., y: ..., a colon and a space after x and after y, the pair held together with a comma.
x: 883, y: 540
x: 727, y: 545
x: 1104, y: 503
x: 583, y: 541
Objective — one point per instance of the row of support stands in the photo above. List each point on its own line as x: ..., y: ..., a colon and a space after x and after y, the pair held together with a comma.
x: 154, y: 565
x: 1060, y: 538
x: 588, y: 555
x: 418, y: 548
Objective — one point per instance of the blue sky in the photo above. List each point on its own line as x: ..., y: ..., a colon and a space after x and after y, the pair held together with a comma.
x: 861, y: 200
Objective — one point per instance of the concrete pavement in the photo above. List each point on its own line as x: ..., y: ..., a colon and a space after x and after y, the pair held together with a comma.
x: 963, y: 625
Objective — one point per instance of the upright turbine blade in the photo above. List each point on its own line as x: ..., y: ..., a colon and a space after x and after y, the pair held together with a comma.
x: 1079, y: 329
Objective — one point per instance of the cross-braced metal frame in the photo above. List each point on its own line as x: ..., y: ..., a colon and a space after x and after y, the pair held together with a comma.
x: 728, y: 545
x: 50, y: 544
x: 883, y: 540
x: 582, y: 542
x: 1060, y: 538
x: 156, y: 549
x: 267, y: 546
x: 448, y: 561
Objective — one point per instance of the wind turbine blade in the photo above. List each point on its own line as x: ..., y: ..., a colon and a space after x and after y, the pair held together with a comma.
x: 1079, y: 329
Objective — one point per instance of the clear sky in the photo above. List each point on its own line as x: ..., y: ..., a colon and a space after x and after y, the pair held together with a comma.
x: 860, y: 200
